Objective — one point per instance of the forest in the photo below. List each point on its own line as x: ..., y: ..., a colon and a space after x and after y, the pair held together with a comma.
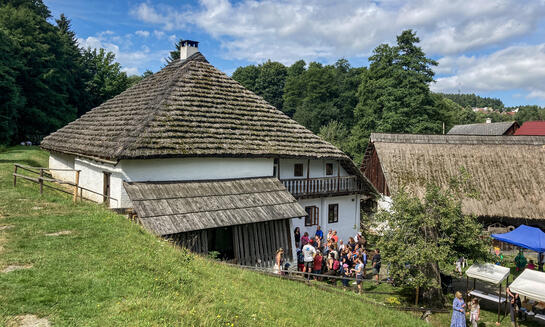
x: 47, y: 80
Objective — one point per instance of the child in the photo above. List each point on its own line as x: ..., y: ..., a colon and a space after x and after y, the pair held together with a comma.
x: 475, y: 312
x: 345, y: 272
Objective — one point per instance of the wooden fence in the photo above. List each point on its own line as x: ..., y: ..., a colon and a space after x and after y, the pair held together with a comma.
x: 44, y: 175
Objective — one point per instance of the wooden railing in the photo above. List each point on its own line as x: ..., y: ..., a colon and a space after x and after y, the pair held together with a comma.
x: 44, y: 175
x: 322, y: 186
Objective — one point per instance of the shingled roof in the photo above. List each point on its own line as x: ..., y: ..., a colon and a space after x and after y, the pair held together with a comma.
x: 175, y: 207
x: 188, y: 109
x: 507, y: 171
x: 482, y: 129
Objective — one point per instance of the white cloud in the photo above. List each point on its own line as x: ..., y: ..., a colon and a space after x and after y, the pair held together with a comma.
x: 287, y: 30
x: 142, y: 33
x: 515, y: 67
x: 158, y: 34
x: 130, y: 70
x: 132, y: 61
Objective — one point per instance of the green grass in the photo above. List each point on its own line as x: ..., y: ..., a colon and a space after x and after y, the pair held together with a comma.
x: 110, y: 272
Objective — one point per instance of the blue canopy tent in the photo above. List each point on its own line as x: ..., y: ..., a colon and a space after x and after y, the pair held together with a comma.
x: 525, y: 236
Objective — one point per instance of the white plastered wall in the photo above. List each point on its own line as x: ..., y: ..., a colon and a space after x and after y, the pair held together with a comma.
x: 188, y: 169
x: 92, y: 177
x: 349, y: 216
x: 62, y: 161
x: 317, y: 168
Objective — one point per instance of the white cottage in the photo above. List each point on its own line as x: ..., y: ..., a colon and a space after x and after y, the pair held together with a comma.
x: 205, y: 161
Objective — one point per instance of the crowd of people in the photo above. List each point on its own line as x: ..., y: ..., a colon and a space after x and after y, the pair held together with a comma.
x: 327, y: 255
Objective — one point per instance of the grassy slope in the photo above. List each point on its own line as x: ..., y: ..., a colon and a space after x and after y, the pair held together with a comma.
x: 111, y: 272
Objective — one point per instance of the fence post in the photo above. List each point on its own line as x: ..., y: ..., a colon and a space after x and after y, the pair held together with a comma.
x: 76, y: 183
x: 41, y: 181
x: 15, y: 176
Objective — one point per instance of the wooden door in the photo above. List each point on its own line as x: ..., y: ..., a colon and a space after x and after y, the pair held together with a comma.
x: 106, y: 187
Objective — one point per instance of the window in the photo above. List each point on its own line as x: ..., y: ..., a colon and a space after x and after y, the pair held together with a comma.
x: 312, y: 217
x: 298, y: 170
x: 333, y: 213
x: 329, y: 169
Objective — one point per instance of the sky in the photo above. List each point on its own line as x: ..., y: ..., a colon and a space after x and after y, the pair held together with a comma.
x: 490, y: 48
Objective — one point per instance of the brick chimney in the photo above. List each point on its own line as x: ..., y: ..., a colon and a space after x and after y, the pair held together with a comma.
x: 187, y: 48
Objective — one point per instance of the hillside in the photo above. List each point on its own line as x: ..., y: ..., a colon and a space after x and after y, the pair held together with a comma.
x: 104, y: 270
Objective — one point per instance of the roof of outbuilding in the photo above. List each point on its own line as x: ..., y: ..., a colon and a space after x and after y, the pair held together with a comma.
x: 482, y: 129
x: 188, y: 109
x: 531, y: 128
x: 506, y: 171
x: 175, y: 207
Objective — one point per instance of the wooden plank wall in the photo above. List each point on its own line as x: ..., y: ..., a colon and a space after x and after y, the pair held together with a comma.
x: 256, y: 244
x: 373, y: 172
x: 196, y: 241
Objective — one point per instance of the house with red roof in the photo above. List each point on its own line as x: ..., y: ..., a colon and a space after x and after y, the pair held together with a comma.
x: 532, y: 128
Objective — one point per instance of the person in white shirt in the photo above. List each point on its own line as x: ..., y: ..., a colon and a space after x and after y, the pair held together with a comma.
x: 309, y: 252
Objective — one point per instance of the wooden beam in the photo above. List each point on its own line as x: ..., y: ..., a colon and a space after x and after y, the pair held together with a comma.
x: 76, y: 182
x: 15, y: 176
x: 308, y: 175
x: 41, y: 181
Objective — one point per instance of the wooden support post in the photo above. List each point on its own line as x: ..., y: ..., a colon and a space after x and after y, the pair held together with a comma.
x: 15, y: 176
x: 308, y: 175
x: 416, y: 298
x: 76, y: 183
x: 41, y: 181
x: 338, y: 176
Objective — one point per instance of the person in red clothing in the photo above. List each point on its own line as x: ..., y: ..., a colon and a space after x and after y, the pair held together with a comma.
x: 304, y: 240
x: 335, y: 238
x: 317, y: 269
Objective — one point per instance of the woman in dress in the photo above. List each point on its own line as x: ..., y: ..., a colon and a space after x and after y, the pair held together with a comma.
x: 458, y: 311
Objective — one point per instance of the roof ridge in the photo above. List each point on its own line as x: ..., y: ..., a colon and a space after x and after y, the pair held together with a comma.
x: 156, y: 103
x: 458, y: 139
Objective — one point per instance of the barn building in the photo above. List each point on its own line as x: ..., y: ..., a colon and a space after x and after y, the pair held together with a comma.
x: 209, y: 164
x: 508, y: 172
x: 488, y: 128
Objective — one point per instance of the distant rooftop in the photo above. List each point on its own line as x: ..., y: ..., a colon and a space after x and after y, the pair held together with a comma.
x: 532, y: 128
x: 483, y: 129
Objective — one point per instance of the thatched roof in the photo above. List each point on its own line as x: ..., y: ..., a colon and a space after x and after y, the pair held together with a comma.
x: 482, y: 129
x: 507, y: 171
x: 175, y: 207
x: 188, y: 109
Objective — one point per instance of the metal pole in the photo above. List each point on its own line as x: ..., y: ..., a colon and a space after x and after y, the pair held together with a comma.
x: 499, y: 304
x: 505, y: 307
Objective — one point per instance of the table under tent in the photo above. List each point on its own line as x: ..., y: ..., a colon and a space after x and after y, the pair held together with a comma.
x: 492, y: 274
x: 531, y: 238
x: 531, y: 284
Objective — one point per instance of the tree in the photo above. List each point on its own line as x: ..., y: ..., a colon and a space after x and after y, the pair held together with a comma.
x: 41, y: 73
x: 335, y: 133
x: 394, y: 94
x: 423, y: 235
x: 266, y: 80
x: 11, y: 97
x: 247, y: 76
x: 529, y: 113
x: 103, y: 78
x: 294, y: 88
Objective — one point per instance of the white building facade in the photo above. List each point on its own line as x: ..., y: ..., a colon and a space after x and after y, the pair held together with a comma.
x: 324, y: 188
